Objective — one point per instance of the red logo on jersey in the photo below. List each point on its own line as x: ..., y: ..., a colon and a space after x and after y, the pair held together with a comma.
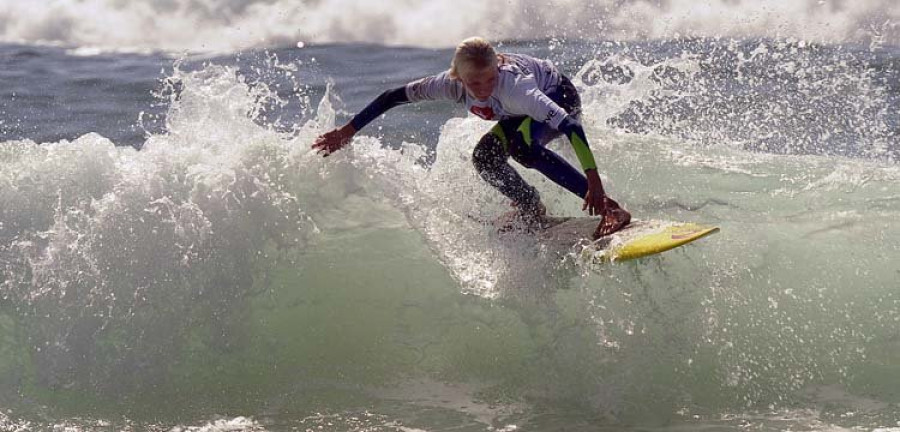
x: 484, y: 112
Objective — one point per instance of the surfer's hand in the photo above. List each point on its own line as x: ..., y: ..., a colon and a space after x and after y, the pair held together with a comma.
x: 595, y: 202
x: 333, y: 141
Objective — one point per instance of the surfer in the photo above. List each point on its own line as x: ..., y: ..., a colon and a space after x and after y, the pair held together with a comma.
x: 534, y: 104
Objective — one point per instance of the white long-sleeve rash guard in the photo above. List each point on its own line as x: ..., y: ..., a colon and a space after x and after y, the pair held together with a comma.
x: 522, y: 86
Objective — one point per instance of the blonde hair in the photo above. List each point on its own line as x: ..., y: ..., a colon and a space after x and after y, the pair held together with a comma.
x: 474, y: 53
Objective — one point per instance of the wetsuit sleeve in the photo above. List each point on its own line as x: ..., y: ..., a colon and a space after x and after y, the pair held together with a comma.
x: 572, y: 129
x: 379, y: 106
x: 436, y: 87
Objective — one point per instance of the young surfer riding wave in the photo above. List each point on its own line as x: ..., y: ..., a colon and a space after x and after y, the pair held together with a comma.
x: 534, y: 104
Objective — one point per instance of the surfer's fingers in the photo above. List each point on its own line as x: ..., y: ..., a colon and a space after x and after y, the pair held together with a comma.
x: 589, y: 207
x: 593, y: 206
x: 328, y: 145
x: 323, y: 150
x: 322, y: 144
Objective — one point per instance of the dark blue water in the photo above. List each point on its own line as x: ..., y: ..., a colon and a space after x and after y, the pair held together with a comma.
x: 770, y: 96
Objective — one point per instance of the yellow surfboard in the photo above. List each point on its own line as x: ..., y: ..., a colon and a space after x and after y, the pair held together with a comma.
x: 654, y: 241
x: 639, y: 239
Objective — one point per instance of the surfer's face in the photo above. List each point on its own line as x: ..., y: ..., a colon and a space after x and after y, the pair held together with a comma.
x: 481, y: 82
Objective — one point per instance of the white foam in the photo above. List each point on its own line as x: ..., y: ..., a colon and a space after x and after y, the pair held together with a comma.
x: 237, y: 424
x: 85, y: 217
x: 222, y: 25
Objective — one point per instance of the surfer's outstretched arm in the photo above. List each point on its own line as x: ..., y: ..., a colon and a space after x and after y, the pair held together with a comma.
x: 336, y: 139
x: 379, y: 106
x: 436, y: 87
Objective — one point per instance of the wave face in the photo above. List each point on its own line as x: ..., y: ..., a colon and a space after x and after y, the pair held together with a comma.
x: 225, y: 268
x: 226, y: 25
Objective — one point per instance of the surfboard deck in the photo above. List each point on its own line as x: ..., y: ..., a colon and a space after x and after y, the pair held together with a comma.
x: 639, y: 239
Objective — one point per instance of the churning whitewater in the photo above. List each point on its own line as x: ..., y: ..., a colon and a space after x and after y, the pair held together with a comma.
x: 226, y: 26
x: 174, y: 256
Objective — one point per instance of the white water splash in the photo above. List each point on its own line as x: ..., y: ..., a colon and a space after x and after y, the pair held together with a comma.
x: 227, y: 25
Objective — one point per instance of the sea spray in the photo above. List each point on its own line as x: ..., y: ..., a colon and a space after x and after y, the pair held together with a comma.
x: 223, y: 26
x: 226, y: 267
x: 116, y: 256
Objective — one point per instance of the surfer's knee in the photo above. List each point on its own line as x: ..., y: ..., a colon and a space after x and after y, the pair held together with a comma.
x: 526, y: 155
x: 526, y: 159
x: 489, y: 153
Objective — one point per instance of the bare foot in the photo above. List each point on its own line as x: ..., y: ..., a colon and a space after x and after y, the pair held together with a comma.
x: 523, y: 217
x: 613, y: 221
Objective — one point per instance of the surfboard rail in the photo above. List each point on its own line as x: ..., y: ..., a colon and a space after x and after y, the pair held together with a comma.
x: 639, y: 239
x: 669, y: 237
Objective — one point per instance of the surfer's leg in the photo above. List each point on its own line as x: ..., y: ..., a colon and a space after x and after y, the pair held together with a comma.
x: 491, y: 161
x: 529, y: 139
x: 527, y: 148
x: 556, y: 168
x: 527, y: 145
x: 564, y: 174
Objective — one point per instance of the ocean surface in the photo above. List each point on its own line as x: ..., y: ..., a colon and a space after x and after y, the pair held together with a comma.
x: 173, y: 257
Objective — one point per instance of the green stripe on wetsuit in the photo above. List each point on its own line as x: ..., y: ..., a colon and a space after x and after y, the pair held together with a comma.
x: 571, y: 129
x: 575, y: 133
x: 525, y: 129
x: 585, y: 156
x: 497, y: 130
